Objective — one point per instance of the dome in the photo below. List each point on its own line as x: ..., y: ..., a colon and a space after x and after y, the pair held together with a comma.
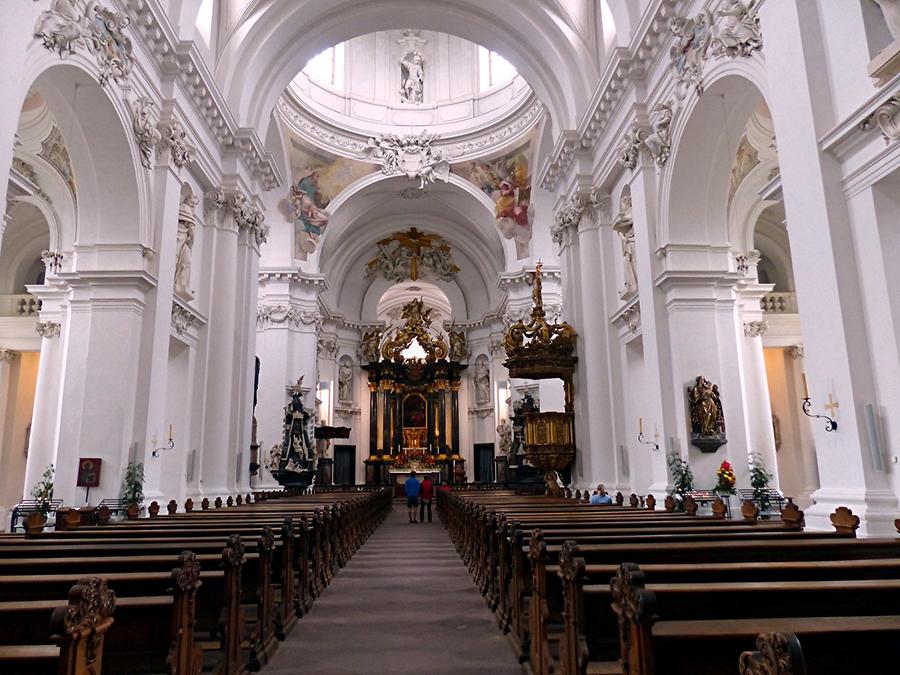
x: 406, y: 81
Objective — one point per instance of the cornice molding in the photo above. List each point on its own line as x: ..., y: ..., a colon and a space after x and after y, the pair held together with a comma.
x: 182, y: 59
x: 455, y: 147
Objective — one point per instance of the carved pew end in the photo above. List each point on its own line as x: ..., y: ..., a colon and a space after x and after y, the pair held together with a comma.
x: 776, y: 654
x: 844, y: 521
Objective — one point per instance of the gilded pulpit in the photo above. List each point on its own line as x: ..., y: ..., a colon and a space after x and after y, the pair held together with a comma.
x: 541, y: 350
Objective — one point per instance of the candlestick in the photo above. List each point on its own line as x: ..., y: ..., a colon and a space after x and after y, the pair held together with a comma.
x: 171, y: 428
x: 805, y: 389
x: 640, y: 425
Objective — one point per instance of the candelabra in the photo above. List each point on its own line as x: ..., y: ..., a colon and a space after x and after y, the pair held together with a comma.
x: 641, y: 438
x: 170, y: 444
x: 830, y: 424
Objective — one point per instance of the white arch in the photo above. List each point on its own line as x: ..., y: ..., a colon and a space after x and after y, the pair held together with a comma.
x: 277, y: 39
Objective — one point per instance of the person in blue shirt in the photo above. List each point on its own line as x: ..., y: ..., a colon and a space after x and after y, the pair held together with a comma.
x: 412, y: 487
x: 600, y: 496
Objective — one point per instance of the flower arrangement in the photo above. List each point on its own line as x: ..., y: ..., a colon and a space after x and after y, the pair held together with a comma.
x: 43, y: 492
x: 133, y: 483
x: 726, y: 479
x: 682, y: 479
x: 759, y: 481
x: 410, y: 457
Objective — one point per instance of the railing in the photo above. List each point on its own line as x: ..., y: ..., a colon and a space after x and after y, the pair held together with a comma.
x: 779, y: 303
x: 20, y: 304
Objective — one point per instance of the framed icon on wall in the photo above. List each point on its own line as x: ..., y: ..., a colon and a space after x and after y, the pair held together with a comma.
x: 89, y: 472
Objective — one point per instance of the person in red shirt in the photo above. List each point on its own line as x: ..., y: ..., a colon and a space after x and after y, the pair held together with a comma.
x: 425, y: 497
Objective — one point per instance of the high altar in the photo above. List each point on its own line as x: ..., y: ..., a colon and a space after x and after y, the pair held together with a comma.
x: 414, y: 401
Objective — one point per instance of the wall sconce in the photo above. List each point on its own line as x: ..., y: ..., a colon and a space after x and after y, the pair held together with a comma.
x: 170, y: 444
x: 641, y: 438
x: 830, y: 423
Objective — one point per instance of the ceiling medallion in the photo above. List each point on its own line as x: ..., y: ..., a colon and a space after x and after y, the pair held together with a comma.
x: 411, y: 254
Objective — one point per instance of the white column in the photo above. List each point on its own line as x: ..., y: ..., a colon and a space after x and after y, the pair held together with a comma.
x: 163, y: 475
x: 100, y: 377
x: 219, y: 429
x: 760, y: 438
x: 838, y: 352
x: 661, y: 414
x: 45, y: 418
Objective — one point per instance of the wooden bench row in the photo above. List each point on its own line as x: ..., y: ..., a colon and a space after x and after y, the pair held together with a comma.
x: 194, y: 592
x: 568, y: 609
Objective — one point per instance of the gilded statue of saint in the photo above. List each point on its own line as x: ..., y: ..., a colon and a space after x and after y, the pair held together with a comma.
x: 707, y: 418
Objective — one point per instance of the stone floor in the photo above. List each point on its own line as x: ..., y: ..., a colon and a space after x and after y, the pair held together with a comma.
x: 404, y: 604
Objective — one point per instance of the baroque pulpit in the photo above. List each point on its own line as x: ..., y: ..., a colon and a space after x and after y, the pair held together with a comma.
x: 541, y: 350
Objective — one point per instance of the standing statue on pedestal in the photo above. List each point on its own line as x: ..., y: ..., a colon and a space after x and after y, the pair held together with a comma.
x: 707, y: 416
x: 504, y: 430
x: 412, y: 76
x: 624, y: 226
x: 185, y: 245
x: 345, y: 381
x: 296, y: 437
x: 481, y: 378
x: 890, y: 9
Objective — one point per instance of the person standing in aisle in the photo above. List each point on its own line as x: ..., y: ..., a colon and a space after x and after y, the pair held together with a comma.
x: 412, y: 487
x: 425, y: 497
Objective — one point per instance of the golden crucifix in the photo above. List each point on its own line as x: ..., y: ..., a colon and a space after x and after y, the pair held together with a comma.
x: 414, y: 241
x: 832, y: 406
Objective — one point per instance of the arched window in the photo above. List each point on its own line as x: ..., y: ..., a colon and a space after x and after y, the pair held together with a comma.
x: 327, y: 67
x: 493, y: 69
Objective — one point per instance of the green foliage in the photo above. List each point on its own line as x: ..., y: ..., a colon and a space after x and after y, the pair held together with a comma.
x: 133, y: 483
x: 682, y: 479
x: 43, y: 491
x: 760, y: 477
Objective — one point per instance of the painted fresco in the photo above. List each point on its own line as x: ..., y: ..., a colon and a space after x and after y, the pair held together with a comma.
x: 317, y: 178
x: 507, y: 181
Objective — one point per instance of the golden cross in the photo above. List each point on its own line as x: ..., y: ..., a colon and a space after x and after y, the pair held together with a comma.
x: 832, y: 406
x: 415, y: 241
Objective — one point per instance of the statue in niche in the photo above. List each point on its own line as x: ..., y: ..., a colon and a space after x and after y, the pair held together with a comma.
x: 624, y: 225
x: 185, y: 245
x: 345, y: 381
x: 890, y: 9
x: 481, y: 378
x: 504, y: 431
x: 412, y: 77
x: 707, y: 416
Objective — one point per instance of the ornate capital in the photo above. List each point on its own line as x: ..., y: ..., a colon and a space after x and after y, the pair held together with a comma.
x: 755, y: 328
x: 182, y: 319
x: 887, y: 118
x: 797, y: 351
x: 591, y: 204
x: 629, y: 148
x: 174, y: 139
x: 47, y: 329
x: 7, y: 355
x: 146, y: 134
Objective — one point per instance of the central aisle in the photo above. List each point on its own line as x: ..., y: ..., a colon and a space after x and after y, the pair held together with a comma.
x: 404, y: 604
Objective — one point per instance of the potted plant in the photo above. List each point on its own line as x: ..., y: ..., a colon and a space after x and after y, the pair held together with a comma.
x: 133, y: 489
x: 682, y: 479
x: 725, y: 480
x: 760, y: 477
x: 43, y: 496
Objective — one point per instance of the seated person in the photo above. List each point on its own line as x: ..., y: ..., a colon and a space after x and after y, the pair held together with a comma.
x: 600, y: 496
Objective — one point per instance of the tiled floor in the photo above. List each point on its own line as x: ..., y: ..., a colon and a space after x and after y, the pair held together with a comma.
x: 404, y: 604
